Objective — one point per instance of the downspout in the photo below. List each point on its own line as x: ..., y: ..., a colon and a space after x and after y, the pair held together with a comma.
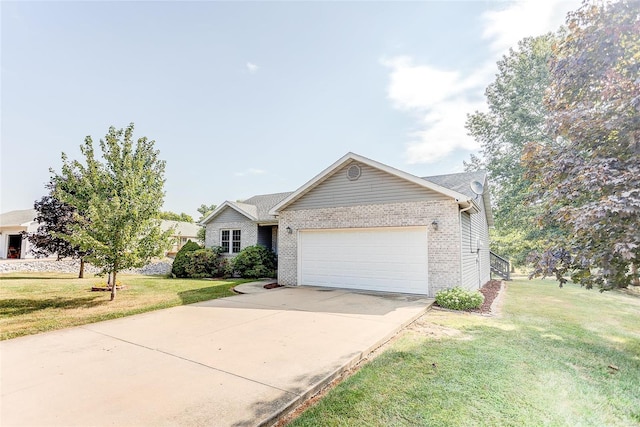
x: 461, y: 260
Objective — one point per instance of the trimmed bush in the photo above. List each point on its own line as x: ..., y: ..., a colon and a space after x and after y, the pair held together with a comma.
x: 205, y: 263
x: 254, y: 262
x: 177, y: 268
x: 459, y: 299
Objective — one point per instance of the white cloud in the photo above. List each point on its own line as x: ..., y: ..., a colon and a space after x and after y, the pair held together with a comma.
x: 252, y: 68
x: 442, y: 131
x: 418, y: 86
x: 441, y: 99
x: 251, y: 171
x: 505, y: 27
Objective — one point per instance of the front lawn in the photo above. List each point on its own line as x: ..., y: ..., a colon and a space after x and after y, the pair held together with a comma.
x: 37, y: 302
x: 556, y: 357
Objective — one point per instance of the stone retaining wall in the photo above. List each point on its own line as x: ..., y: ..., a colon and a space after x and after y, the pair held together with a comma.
x: 162, y: 266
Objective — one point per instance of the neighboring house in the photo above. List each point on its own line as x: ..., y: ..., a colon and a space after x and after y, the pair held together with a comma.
x: 183, y: 232
x: 361, y: 224
x: 12, y: 225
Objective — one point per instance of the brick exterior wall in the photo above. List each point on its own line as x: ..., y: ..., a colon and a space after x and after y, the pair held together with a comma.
x: 248, y: 233
x: 444, y: 268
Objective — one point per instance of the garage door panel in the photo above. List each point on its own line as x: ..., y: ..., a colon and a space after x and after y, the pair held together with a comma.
x: 382, y: 259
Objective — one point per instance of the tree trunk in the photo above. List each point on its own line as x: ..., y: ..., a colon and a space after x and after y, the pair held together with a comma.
x: 81, y: 273
x: 636, y: 279
x: 113, y: 286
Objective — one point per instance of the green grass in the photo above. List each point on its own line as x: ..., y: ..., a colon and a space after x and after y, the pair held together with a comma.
x: 544, y: 362
x: 35, y: 302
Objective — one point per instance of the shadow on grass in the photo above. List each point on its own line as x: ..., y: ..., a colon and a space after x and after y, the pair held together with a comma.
x: 19, y: 306
x: 203, y: 294
x: 2, y: 278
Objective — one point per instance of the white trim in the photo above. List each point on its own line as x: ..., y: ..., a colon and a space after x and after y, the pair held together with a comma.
x: 459, y: 197
x: 231, y: 240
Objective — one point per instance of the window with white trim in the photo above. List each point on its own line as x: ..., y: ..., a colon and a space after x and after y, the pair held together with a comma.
x: 235, y: 241
x: 230, y: 240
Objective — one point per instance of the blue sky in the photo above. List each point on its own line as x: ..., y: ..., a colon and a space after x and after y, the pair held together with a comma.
x: 246, y: 98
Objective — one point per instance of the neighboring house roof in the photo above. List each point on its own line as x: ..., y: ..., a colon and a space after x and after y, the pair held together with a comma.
x: 255, y: 208
x: 20, y: 218
x: 461, y: 198
x: 182, y: 228
x: 461, y: 182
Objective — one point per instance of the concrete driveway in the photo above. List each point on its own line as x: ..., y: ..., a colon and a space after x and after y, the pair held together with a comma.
x: 237, y: 361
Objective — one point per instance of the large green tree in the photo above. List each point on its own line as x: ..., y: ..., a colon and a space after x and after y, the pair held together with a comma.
x: 122, y: 195
x: 588, y: 182
x: 516, y: 116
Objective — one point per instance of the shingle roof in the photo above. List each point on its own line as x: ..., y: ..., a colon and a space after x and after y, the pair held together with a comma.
x: 17, y: 218
x: 264, y: 203
x: 458, y: 181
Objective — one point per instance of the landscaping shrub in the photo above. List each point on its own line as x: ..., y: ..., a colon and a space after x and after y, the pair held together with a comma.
x: 205, y: 263
x: 254, y: 262
x: 177, y: 268
x: 459, y: 299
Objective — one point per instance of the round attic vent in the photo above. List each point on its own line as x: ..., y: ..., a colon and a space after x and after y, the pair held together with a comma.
x: 353, y: 172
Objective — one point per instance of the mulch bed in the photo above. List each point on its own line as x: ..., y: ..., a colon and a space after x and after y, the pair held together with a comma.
x: 272, y: 286
x: 490, y: 290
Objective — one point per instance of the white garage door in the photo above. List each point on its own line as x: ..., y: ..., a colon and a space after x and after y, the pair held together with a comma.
x: 378, y: 259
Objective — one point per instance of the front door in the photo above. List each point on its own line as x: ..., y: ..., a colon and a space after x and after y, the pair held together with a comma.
x: 14, y: 247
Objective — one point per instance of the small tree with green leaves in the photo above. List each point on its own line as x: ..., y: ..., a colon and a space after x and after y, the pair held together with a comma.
x: 204, y: 210
x: 122, y: 195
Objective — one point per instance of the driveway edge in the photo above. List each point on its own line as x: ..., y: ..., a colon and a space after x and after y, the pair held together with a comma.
x: 273, y: 419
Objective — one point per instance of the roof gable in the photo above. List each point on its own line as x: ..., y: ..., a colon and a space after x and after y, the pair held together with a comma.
x: 352, y: 157
x: 249, y: 211
x: 255, y: 208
